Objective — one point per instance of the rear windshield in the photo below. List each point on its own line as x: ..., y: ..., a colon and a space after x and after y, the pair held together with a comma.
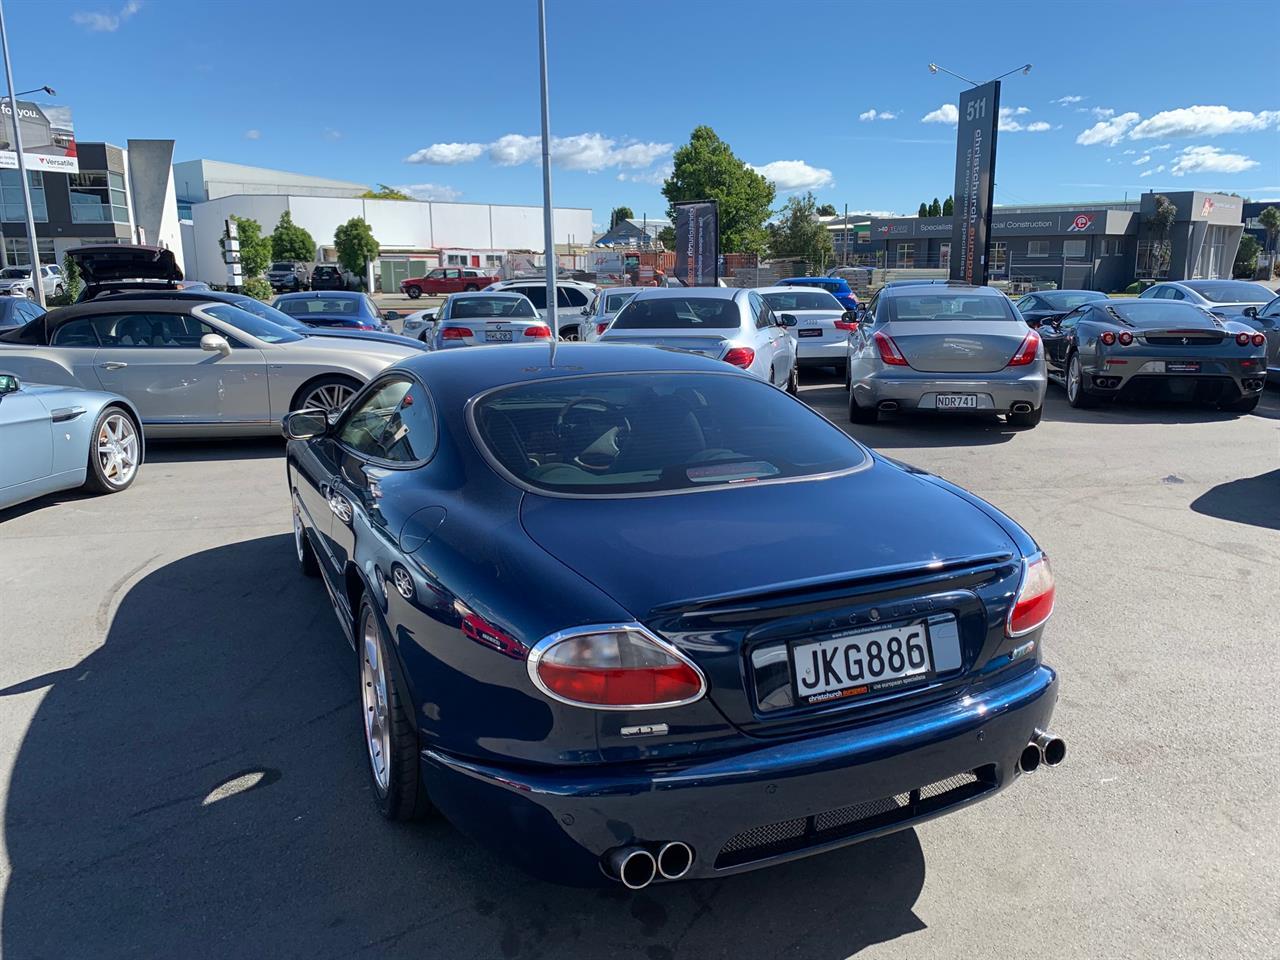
x: 282, y: 267
x: 676, y: 313
x: 656, y: 432
x: 325, y: 271
x: 1070, y: 300
x: 491, y: 308
x: 1233, y: 291
x: 829, y: 285
x: 936, y: 306
x: 807, y: 300
x: 302, y: 306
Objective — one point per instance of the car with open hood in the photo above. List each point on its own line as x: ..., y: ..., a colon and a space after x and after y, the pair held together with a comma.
x: 109, y: 267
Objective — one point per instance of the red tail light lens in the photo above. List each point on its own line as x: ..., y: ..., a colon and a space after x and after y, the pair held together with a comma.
x: 455, y: 333
x: 615, y: 667
x: 889, y: 351
x: 740, y: 357
x: 1108, y: 338
x: 1259, y: 340
x: 1026, y: 350
x: 846, y: 324
x: 537, y: 330
x: 1243, y: 339
x: 601, y: 328
x: 1125, y: 338
x: 1035, y: 598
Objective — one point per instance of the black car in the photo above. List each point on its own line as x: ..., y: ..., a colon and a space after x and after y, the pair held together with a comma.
x: 328, y: 276
x: 1049, y: 305
x: 16, y: 311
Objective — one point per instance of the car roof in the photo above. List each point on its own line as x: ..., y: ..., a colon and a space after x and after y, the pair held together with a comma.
x: 684, y: 293
x: 939, y: 288
x: 321, y: 295
x: 468, y: 294
x: 191, y: 296
x: 786, y: 289
x: 803, y: 281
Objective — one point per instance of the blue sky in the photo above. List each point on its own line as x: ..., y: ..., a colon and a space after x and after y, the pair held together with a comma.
x: 1123, y: 96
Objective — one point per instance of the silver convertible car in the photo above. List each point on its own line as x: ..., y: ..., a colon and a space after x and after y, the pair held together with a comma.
x: 58, y: 438
x: 945, y: 347
x: 193, y: 369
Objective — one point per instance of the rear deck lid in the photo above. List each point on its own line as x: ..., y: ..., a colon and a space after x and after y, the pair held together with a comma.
x: 957, y: 346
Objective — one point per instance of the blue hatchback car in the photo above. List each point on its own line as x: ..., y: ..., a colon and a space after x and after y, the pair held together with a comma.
x: 838, y: 287
x: 617, y: 613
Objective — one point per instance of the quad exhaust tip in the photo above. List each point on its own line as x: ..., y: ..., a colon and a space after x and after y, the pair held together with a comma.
x: 1053, y: 750
x: 674, y: 859
x: 633, y: 867
x: 1029, y: 759
x: 888, y: 406
x: 1021, y: 407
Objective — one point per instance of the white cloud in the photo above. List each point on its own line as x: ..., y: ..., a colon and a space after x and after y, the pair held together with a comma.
x: 253, y: 134
x: 1163, y: 146
x: 1067, y: 100
x: 1202, y: 121
x: 874, y: 114
x: 1102, y: 113
x: 106, y: 22
x: 430, y: 191
x: 331, y: 133
x: 1108, y: 131
x: 584, y: 151
x: 1038, y: 127
x: 656, y: 176
x: 947, y: 113
x: 1210, y: 160
x: 1145, y: 158
x: 1150, y: 171
x: 794, y: 175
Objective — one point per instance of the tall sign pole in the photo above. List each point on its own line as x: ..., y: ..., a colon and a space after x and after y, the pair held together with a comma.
x: 37, y: 281
x: 975, y: 175
x: 547, y: 229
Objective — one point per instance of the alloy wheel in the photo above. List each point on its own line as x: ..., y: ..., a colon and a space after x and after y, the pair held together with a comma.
x: 373, y: 690
x: 1073, y: 379
x: 298, y: 534
x: 328, y: 397
x: 117, y: 449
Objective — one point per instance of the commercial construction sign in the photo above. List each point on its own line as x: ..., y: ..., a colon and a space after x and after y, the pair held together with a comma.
x: 975, y: 174
x: 698, y: 243
x: 48, y: 139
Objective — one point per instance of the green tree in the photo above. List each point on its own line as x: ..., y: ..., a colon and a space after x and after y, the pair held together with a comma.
x: 1158, y: 224
x: 290, y: 241
x: 706, y: 168
x: 827, y: 210
x: 255, y: 249
x: 258, y: 288
x: 385, y: 193
x: 1246, y: 257
x: 948, y: 207
x: 667, y: 237
x: 799, y: 233
x: 618, y: 214
x: 355, y: 245
x: 72, y: 284
x: 935, y: 208
x: 1270, y: 219
x: 924, y: 210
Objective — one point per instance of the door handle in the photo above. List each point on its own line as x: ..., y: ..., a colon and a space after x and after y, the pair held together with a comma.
x: 113, y: 365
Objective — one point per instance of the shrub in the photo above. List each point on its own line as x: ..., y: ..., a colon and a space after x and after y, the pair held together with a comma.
x: 1134, y: 288
x: 258, y: 288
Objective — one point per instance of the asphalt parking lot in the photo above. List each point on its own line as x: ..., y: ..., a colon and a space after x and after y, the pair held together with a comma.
x: 183, y: 777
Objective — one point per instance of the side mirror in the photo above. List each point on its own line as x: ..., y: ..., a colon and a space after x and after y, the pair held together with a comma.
x: 786, y: 320
x: 390, y: 314
x: 305, y: 424
x: 213, y: 343
x: 9, y: 384
x: 1251, y: 312
x: 852, y: 316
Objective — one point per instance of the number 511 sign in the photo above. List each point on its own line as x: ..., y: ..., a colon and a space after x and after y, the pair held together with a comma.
x: 979, y: 108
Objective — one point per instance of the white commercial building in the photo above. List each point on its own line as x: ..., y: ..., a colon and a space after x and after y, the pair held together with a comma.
x: 199, y: 180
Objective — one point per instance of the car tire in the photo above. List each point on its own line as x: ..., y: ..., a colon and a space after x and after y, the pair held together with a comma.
x: 1077, y: 393
x: 336, y: 390
x: 413, y: 292
x: 115, y: 468
x: 793, y: 381
x: 308, y: 565
x: 573, y: 334
x: 848, y: 377
x: 391, y: 744
x: 57, y: 290
x: 1242, y: 405
x: 31, y: 293
x: 858, y: 414
x: 1025, y: 421
x: 469, y: 287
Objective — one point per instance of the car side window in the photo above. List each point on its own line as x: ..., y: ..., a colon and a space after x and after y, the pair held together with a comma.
x: 435, y: 274
x: 76, y: 333
x: 395, y: 422
x: 1071, y: 319
x: 758, y: 308
x: 570, y: 297
x: 1272, y: 309
x: 135, y: 330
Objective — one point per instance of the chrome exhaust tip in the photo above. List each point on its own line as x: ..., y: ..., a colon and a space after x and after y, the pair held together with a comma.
x: 888, y: 406
x: 1021, y: 407
x: 674, y: 859
x: 1030, y: 758
x: 1053, y: 750
x: 633, y: 867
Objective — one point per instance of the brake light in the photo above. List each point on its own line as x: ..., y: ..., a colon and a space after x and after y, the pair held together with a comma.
x: 1243, y: 339
x: 1035, y: 598
x: 740, y: 357
x: 601, y: 328
x: 455, y: 333
x: 537, y: 330
x: 1125, y: 338
x: 889, y: 351
x: 1259, y: 340
x: 846, y: 324
x: 614, y: 667
x: 1108, y: 337
x: 1026, y: 350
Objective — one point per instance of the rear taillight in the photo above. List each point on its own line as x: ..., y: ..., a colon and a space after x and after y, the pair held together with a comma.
x: 1035, y: 597
x: 889, y: 351
x: 1259, y: 340
x: 455, y: 333
x: 1125, y: 338
x: 1108, y: 337
x: 614, y: 667
x: 1026, y: 350
x: 537, y: 330
x: 740, y: 357
x: 1243, y: 339
x: 846, y: 324
x: 601, y: 328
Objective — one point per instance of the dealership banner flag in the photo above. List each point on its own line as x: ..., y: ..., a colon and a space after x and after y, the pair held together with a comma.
x: 48, y: 140
x: 975, y: 175
x: 698, y: 243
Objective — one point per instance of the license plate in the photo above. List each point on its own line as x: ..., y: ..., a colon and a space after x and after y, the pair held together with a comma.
x: 1182, y: 366
x: 862, y: 662
x: 809, y: 333
x: 957, y: 401
x: 497, y: 336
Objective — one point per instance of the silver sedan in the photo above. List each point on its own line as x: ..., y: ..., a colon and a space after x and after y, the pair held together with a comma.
x: 193, y: 369
x: 597, y: 316
x: 485, y: 318
x: 946, y: 347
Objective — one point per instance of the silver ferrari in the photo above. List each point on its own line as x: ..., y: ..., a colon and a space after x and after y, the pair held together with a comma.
x: 193, y: 369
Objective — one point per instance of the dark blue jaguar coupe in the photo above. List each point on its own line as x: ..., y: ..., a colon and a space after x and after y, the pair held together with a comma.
x: 630, y: 613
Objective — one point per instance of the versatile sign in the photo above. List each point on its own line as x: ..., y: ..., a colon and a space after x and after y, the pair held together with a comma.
x: 975, y: 172
x: 609, y: 266
x: 698, y: 243
x: 48, y: 140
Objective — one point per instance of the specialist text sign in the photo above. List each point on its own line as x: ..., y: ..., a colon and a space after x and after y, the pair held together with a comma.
x: 698, y: 243
x: 975, y: 173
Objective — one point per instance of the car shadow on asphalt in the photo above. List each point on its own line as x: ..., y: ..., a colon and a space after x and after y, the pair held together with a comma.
x: 909, y: 430
x: 191, y: 451
x: 197, y: 787
x: 1147, y: 411
x: 1251, y: 500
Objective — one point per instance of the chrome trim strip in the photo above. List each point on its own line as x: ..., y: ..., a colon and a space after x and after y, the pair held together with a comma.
x: 546, y: 643
x: 1008, y: 620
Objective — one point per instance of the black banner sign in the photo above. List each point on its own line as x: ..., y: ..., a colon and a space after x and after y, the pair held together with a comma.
x: 975, y: 173
x: 698, y: 243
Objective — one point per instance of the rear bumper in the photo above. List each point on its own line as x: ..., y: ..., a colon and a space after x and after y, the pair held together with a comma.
x: 822, y: 354
x: 919, y: 391
x: 558, y: 822
x: 1217, y: 378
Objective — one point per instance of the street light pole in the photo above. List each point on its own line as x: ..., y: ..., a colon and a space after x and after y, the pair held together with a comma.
x: 547, y: 229
x: 37, y: 281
